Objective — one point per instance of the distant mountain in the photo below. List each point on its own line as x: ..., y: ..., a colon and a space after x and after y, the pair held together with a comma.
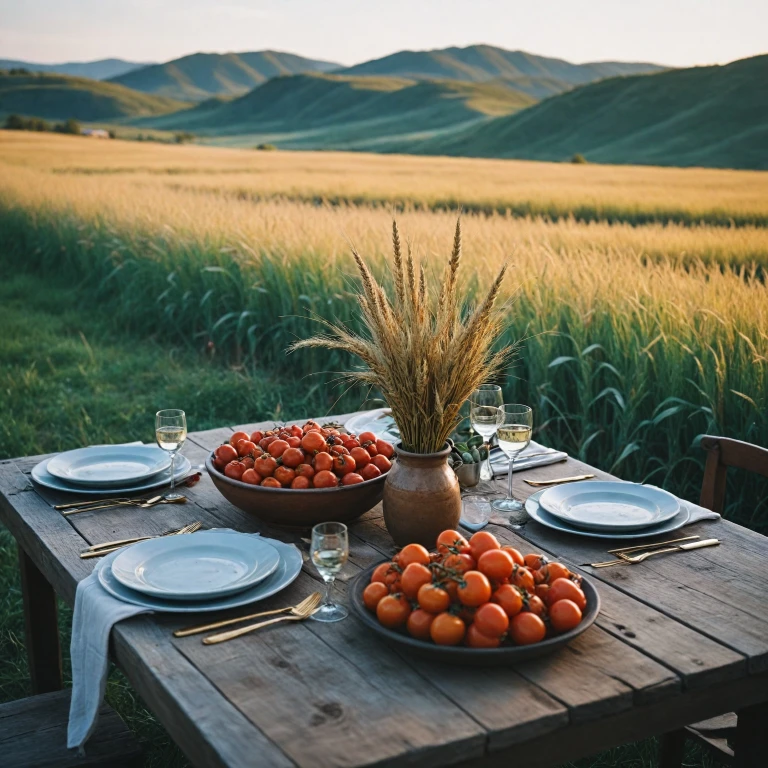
x: 98, y: 70
x: 479, y: 63
x: 338, y: 112
x: 57, y: 97
x: 708, y: 116
x: 203, y: 75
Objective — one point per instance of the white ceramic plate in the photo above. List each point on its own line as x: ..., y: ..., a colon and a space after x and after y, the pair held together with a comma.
x: 601, y: 505
x: 540, y: 515
x: 380, y: 422
x: 200, y: 566
x: 286, y: 573
x: 41, y: 475
x: 108, y: 465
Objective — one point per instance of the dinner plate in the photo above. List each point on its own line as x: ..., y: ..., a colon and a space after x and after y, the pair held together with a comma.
x: 207, y: 565
x: 379, y: 421
x: 540, y: 515
x: 601, y: 505
x: 41, y: 475
x: 286, y: 573
x: 109, y: 465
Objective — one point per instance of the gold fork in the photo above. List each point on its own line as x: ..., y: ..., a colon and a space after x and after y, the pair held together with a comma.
x: 305, y: 613
x: 634, y: 559
x: 141, y: 505
x: 558, y: 480
x: 104, y: 549
x: 294, y: 610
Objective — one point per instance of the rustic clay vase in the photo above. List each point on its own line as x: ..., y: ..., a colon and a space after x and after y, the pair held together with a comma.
x: 421, y: 497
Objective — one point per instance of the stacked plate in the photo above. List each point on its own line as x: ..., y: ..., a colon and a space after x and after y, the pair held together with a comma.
x: 206, y: 571
x: 608, y: 510
x: 102, y: 469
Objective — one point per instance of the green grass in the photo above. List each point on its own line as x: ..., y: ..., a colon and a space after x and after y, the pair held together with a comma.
x: 59, y: 97
x: 702, y: 116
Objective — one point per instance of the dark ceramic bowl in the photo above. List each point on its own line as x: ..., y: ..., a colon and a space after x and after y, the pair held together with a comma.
x: 293, y: 508
x: 461, y: 655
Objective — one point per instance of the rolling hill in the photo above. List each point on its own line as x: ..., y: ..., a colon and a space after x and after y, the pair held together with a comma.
x: 98, y: 70
x: 479, y: 63
x: 203, y: 75
x: 58, y: 97
x: 710, y: 116
x: 340, y: 112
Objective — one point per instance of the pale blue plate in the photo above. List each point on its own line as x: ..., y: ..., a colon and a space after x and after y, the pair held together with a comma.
x: 540, y: 515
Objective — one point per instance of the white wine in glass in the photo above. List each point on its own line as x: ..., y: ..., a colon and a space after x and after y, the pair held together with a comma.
x: 514, y: 436
x: 330, y: 549
x: 170, y: 433
x: 485, y: 417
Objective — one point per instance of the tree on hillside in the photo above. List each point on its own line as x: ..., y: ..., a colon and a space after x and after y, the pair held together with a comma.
x: 70, y: 126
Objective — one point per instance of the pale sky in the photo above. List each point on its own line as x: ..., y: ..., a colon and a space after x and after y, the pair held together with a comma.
x: 671, y: 32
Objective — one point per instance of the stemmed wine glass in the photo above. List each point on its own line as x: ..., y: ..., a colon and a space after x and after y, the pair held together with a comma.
x: 514, y: 434
x: 170, y: 433
x: 485, y: 416
x: 330, y: 549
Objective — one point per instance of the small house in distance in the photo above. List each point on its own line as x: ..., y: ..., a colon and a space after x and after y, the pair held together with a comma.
x: 96, y: 133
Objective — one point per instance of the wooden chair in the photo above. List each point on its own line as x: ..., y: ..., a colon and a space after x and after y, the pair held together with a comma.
x: 33, y: 734
x: 747, y: 731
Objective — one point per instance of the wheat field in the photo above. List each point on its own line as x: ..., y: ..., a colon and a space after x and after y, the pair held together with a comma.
x: 639, y: 292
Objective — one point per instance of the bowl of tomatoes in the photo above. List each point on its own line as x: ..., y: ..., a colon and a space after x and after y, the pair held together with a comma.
x: 298, y: 476
x: 474, y: 602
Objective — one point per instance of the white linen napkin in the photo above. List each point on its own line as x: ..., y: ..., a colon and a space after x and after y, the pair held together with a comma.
x: 96, y: 612
x: 697, y: 513
x: 535, y: 455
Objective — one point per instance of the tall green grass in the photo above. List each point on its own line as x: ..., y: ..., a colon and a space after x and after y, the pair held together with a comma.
x: 620, y: 374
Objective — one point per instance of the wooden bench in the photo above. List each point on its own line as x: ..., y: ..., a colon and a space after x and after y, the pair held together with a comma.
x: 33, y: 734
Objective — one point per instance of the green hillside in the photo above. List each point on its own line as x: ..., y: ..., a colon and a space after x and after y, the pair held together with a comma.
x: 709, y: 116
x: 478, y: 63
x: 58, y: 97
x: 331, y: 111
x: 98, y: 70
x: 203, y: 75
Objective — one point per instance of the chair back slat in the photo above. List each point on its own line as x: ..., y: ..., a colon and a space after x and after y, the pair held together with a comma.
x: 724, y: 452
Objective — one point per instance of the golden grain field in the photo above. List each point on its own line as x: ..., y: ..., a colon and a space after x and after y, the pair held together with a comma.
x: 644, y: 326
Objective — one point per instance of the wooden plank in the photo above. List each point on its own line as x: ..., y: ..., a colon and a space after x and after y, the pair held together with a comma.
x: 697, y: 659
x: 331, y: 695
x: 41, y: 622
x: 686, y: 586
x: 48, y: 539
x: 33, y: 734
x: 581, y: 740
x: 206, y: 726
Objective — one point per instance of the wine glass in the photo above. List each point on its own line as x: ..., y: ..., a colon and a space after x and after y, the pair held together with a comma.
x: 170, y: 433
x: 485, y: 416
x: 330, y: 549
x: 514, y: 434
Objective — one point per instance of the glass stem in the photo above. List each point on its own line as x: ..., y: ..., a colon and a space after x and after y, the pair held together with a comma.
x: 328, y: 589
x: 173, y: 462
x: 509, y: 478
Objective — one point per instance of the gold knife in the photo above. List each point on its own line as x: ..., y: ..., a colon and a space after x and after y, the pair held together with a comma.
x: 558, y: 480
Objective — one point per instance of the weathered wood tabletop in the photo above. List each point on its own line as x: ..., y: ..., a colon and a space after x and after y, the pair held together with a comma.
x: 680, y: 638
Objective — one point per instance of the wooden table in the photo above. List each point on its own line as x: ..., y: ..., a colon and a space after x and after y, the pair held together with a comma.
x: 679, y: 639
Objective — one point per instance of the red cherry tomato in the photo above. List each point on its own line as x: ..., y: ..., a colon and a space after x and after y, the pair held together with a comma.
x: 343, y: 464
x: 300, y: 482
x: 234, y: 470
x: 304, y: 470
x: 323, y: 461
x: 370, y: 471
x: 382, y: 462
x: 237, y: 437
x: 361, y: 456
x: 252, y: 477
x: 325, y: 479
x: 366, y: 437
x: 278, y: 448
x: 270, y: 482
x: 256, y: 436
x: 419, y: 623
x: 385, y: 449
x: 285, y: 475
x: 292, y: 457
x: 265, y: 465
x: 564, y: 615
x: 352, y: 478
x: 225, y: 453
x: 476, y: 639
x: 373, y: 593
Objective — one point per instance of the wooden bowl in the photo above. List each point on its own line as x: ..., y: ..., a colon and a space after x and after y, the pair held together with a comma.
x: 461, y: 655
x: 293, y: 508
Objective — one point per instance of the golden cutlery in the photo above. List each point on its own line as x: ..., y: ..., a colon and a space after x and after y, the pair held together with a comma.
x: 153, y: 502
x: 557, y: 481
x: 633, y: 560
x: 310, y: 602
x: 93, y: 502
x: 120, y: 542
x: 106, y: 550
x: 224, y: 636
x: 650, y: 546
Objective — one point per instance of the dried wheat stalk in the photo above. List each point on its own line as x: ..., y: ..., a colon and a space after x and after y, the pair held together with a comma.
x: 424, y: 353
